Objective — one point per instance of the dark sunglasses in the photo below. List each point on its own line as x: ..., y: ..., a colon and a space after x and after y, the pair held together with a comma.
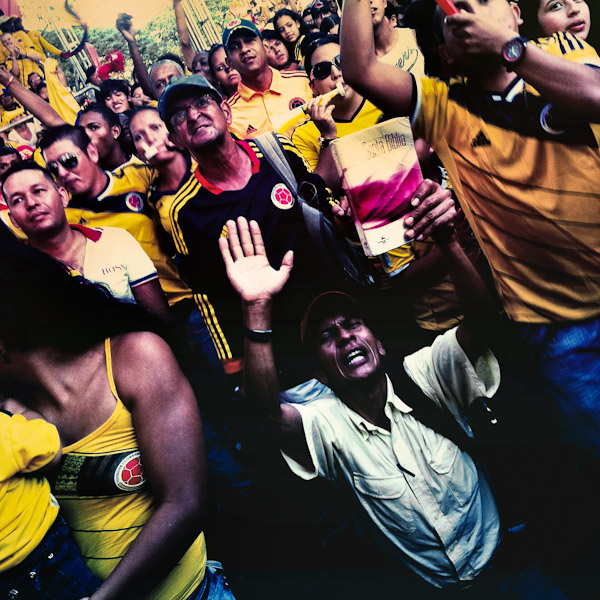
x: 68, y: 161
x: 322, y: 70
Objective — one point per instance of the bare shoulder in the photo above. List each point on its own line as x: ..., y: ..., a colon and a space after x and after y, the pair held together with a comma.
x: 144, y: 363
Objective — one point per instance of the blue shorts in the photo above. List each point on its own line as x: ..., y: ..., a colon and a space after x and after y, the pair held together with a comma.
x: 53, y: 571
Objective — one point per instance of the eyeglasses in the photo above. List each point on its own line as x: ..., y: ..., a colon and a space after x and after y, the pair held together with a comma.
x: 199, y: 103
x: 322, y: 70
x: 68, y: 161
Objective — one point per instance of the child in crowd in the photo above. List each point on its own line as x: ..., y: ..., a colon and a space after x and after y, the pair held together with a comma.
x: 38, y: 558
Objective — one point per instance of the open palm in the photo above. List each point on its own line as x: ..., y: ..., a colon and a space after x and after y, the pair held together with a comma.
x: 248, y: 267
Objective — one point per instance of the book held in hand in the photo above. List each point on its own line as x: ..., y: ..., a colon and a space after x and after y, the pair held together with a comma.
x: 380, y: 171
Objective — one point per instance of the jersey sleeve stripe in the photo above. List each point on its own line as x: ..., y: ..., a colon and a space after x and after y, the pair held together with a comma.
x: 137, y: 282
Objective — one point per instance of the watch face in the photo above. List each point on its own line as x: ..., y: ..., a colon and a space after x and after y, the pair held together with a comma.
x: 513, y: 51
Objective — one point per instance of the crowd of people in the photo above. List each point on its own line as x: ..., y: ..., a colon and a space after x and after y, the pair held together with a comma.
x: 201, y: 367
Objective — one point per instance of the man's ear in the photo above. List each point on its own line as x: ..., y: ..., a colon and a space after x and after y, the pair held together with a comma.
x: 227, y: 112
x: 311, y: 83
x: 64, y: 196
x: 92, y: 152
x: 116, y: 131
x: 17, y: 226
x: 517, y: 11
x: 380, y: 349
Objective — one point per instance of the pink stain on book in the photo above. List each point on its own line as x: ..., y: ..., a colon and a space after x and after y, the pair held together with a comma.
x: 376, y: 203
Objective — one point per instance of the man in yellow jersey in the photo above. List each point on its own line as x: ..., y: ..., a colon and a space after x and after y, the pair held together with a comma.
x: 118, y: 199
x: 519, y: 138
x: 263, y: 93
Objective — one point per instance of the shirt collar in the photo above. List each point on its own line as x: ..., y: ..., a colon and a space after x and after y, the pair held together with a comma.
x: 276, y: 87
x: 109, y: 186
x: 214, y: 189
x: 392, y: 403
x: 91, y: 234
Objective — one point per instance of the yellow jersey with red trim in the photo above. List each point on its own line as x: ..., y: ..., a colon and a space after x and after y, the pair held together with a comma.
x: 252, y: 111
x: 525, y: 177
x: 28, y: 507
x: 123, y: 204
x: 106, y: 500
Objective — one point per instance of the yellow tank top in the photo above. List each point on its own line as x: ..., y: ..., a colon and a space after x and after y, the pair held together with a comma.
x: 105, y: 499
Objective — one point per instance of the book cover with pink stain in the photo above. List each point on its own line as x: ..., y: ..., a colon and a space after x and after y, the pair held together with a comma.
x: 380, y: 171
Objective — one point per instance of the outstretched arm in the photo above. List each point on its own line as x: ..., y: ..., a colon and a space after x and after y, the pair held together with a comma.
x: 184, y: 34
x: 434, y: 214
x: 30, y: 101
x: 257, y: 283
x: 386, y: 86
x: 125, y: 27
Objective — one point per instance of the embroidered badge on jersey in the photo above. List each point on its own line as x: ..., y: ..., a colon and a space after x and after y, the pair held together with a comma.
x: 101, y: 475
x: 251, y: 130
x: 282, y: 197
x: 296, y: 102
x: 134, y: 202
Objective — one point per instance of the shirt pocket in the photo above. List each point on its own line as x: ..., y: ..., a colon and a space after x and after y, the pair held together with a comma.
x: 456, y: 470
x: 383, y: 499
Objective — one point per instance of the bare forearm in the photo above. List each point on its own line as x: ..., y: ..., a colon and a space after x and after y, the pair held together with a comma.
x: 572, y: 86
x: 184, y: 34
x: 162, y: 542
x: 470, y: 287
x: 35, y: 105
x: 140, y: 67
x: 328, y: 171
x: 260, y: 373
x: 386, y: 86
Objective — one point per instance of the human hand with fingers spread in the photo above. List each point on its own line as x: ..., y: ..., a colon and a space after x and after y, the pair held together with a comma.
x: 247, y: 265
x: 433, y: 213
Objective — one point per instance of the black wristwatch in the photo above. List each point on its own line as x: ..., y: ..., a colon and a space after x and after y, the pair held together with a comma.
x: 324, y: 142
x: 513, y: 52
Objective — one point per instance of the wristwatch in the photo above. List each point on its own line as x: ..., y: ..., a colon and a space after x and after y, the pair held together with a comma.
x: 324, y: 142
x: 513, y: 52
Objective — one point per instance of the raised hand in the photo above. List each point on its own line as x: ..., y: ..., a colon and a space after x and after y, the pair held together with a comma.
x: 125, y: 26
x: 247, y: 265
x: 433, y: 213
x: 320, y: 110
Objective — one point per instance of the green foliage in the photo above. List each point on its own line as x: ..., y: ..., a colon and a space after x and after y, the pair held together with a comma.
x: 158, y: 37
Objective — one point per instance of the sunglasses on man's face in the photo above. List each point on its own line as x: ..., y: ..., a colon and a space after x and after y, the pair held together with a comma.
x: 322, y: 70
x: 68, y: 161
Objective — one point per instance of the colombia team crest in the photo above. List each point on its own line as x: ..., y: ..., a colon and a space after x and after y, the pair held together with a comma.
x: 134, y: 202
x: 295, y: 103
x: 129, y: 473
x: 282, y: 197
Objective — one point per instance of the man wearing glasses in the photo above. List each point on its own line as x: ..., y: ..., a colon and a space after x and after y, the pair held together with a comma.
x: 263, y: 92
x: 232, y: 179
x: 103, y: 198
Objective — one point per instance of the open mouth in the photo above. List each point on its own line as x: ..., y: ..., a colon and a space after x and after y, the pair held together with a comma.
x: 355, y: 357
x: 577, y: 27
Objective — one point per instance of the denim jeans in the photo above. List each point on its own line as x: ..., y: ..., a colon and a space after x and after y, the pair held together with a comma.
x: 567, y: 357
x: 53, y: 571
x: 214, y: 585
